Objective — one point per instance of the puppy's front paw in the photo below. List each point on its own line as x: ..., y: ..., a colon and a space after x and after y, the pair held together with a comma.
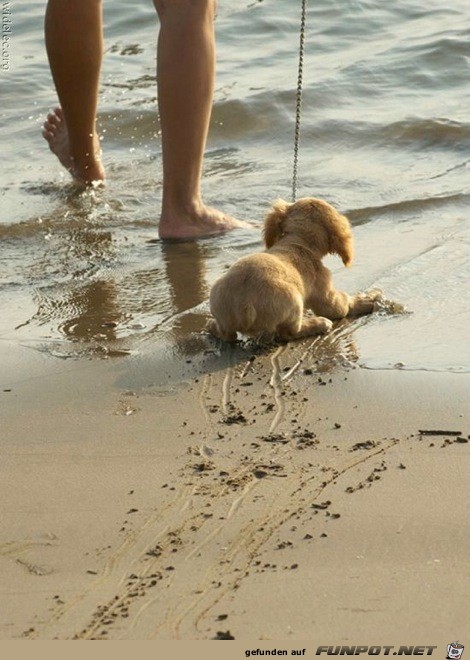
x: 375, y: 298
x: 366, y: 303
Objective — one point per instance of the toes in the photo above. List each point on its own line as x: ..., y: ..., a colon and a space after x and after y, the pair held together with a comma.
x: 48, y: 127
x: 46, y: 134
x: 53, y: 125
x: 53, y: 119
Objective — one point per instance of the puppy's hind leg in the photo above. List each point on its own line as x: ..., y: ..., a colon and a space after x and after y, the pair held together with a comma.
x: 213, y: 327
x: 318, y: 325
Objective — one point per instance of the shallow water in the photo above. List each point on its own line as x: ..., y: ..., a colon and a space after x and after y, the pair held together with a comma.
x: 385, y: 137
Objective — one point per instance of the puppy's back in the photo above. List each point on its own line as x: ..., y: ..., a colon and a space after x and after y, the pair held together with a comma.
x: 255, y: 294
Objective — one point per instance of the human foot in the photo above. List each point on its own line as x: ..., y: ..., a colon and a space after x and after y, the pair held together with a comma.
x: 200, y: 223
x: 84, y: 170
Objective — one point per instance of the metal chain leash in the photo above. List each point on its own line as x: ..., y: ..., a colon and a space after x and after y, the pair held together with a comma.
x: 299, y: 99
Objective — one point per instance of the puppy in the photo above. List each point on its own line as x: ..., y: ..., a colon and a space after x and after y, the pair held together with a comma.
x: 265, y: 294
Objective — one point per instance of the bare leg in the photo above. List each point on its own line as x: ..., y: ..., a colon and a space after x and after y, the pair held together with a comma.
x: 75, y: 47
x: 185, y: 74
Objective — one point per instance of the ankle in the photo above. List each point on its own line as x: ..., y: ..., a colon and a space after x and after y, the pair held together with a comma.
x: 87, y: 169
x: 190, y: 209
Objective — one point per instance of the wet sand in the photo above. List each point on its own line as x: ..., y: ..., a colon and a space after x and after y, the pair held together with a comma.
x: 264, y: 497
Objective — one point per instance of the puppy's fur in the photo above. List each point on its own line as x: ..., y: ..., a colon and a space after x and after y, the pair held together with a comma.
x: 265, y: 294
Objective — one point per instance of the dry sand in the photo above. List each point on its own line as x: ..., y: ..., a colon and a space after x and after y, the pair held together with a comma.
x: 270, y: 499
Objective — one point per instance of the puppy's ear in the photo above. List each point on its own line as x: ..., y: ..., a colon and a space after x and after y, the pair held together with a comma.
x: 342, y: 242
x: 274, y: 221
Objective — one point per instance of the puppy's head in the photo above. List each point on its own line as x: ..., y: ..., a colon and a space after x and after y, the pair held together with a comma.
x: 313, y: 221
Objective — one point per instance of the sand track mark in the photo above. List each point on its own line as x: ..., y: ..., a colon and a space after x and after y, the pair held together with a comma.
x: 117, y: 565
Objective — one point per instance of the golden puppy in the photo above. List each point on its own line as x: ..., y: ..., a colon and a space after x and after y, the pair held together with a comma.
x: 266, y: 293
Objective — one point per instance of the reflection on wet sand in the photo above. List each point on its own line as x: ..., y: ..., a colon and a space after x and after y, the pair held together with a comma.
x: 186, y: 275
x: 98, y: 314
x: 81, y: 305
x: 98, y: 302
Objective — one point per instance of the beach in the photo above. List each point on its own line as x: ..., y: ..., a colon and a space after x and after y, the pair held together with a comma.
x: 157, y: 484
x: 259, y: 499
